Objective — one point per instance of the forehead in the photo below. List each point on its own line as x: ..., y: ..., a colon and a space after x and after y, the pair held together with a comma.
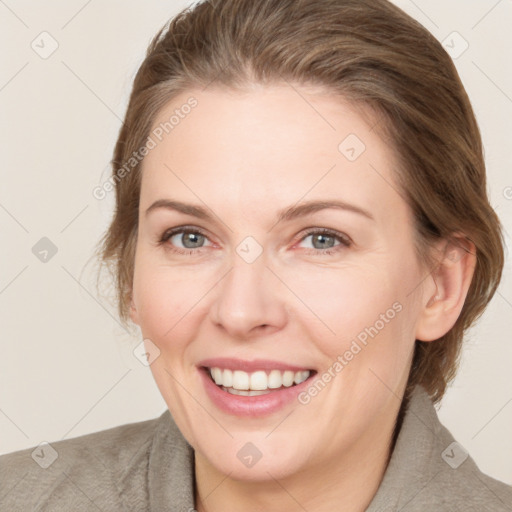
x: 271, y: 145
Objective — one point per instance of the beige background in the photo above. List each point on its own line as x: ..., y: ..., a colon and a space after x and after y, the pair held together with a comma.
x: 67, y: 367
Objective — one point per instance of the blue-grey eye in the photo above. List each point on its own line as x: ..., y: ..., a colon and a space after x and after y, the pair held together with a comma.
x: 322, y: 240
x: 188, y: 239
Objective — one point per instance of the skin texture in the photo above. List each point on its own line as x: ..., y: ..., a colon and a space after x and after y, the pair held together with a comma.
x: 245, y: 157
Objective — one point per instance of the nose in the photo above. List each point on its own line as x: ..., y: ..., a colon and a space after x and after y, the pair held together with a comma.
x: 248, y: 301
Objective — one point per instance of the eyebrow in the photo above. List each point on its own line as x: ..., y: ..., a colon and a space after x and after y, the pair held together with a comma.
x: 288, y: 214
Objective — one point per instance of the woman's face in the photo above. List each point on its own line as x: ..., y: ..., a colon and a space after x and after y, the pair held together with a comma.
x: 252, y: 277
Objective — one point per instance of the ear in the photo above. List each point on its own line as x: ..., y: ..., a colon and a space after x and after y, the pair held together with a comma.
x: 133, y: 312
x: 446, y: 288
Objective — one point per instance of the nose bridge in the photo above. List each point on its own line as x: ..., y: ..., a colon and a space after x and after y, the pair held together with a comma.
x: 248, y: 297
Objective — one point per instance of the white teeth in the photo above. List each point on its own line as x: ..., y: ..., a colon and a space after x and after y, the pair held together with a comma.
x: 227, y: 378
x: 275, y: 380
x: 216, y: 373
x: 245, y: 393
x: 240, y: 380
x: 259, y: 381
x: 288, y: 377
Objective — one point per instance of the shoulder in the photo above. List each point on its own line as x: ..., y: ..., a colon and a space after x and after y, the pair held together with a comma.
x: 429, y: 470
x: 459, y: 483
x: 448, y: 479
x: 78, y: 473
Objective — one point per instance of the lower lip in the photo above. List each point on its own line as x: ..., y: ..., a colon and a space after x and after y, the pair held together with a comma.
x: 251, y: 406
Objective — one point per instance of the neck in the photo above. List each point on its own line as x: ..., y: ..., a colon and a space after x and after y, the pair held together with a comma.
x: 350, y: 479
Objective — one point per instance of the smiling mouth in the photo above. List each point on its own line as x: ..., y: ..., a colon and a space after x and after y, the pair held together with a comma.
x: 261, y: 382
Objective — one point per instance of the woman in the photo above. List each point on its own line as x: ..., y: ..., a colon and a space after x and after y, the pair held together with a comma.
x: 302, y: 234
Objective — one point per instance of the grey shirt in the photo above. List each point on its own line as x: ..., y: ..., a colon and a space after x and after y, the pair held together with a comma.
x: 150, y: 466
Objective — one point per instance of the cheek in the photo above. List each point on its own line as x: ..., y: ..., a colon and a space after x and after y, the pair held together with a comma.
x: 363, y: 312
x: 344, y: 299
x: 167, y: 300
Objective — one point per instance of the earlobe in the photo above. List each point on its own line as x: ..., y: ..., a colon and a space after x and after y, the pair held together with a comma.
x: 452, y: 278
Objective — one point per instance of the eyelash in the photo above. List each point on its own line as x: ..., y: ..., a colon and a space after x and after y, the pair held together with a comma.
x: 345, y: 242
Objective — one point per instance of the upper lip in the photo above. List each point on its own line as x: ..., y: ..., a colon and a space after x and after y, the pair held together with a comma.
x: 231, y: 363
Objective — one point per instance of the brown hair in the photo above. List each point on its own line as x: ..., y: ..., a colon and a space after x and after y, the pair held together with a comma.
x: 369, y: 52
